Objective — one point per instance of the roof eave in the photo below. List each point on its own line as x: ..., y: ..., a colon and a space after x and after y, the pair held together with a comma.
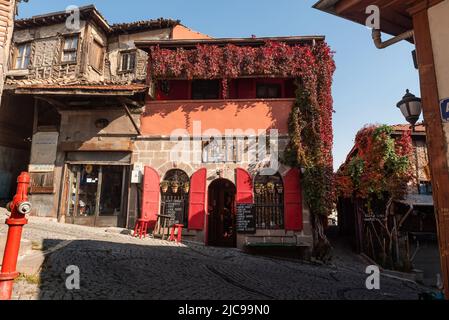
x: 145, y: 44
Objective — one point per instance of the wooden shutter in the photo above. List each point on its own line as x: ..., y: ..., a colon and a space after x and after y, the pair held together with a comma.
x: 197, y: 201
x: 293, y: 201
x: 150, y: 196
x: 244, y: 186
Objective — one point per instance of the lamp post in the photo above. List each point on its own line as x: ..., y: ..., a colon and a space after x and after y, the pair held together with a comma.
x: 410, y: 107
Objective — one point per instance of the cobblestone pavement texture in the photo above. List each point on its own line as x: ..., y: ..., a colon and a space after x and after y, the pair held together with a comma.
x: 115, y: 266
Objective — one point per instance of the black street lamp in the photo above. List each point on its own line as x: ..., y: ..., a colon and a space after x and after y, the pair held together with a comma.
x: 410, y: 107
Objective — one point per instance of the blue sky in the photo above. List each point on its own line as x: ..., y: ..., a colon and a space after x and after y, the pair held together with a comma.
x: 368, y: 82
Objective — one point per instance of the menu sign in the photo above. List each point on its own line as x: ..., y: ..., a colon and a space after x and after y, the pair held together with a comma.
x: 246, y: 219
x: 174, y: 209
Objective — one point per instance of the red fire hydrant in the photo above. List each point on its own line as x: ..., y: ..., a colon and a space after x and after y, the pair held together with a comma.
x: 19, y: 208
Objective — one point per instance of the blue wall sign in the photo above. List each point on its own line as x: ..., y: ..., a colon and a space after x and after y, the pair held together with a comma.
x: 444, y: 105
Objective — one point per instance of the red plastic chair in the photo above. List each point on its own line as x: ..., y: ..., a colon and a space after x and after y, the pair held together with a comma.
x: 172, y: 234
x: 141, y: 228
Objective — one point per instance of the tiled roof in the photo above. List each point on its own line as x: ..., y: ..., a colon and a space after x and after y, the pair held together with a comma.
x: 160, y: 23
x: 92, y: 12
x: 113, y: 87
x: 405, y: 127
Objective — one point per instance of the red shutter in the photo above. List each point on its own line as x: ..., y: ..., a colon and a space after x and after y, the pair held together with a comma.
x: 293, y: 201
x: 150, y: 196
x: 244, y: 186
x: 197, y: 202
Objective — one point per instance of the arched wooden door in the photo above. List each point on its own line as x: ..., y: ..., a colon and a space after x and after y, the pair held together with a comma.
x: 221, y: 222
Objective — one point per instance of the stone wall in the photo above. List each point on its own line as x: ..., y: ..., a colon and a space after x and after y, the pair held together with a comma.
x: 155, y: 152
x: 45, y: 62
x: 46, y: 46
x: 7, y: 13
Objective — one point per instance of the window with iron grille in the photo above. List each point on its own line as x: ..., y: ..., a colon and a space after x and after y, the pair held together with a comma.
x: 269, y: 201
x: 175, y: 190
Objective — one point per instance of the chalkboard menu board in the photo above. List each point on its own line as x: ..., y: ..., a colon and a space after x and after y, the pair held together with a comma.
x: 174, y: 209
x: 246, y: 219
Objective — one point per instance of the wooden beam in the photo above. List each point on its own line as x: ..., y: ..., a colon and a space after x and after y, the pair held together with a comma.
x: 55, y: 103
x: 436, y: 140
x: 136, y: 127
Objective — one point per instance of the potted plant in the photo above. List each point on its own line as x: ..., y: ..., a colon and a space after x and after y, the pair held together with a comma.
x: 175, y: 186
x: 280, y: 188
x: 164, y: 186
x: 186, y: 187
x: 270, y: 187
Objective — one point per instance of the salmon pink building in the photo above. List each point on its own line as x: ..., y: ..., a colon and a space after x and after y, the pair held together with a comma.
x: 213, y: 135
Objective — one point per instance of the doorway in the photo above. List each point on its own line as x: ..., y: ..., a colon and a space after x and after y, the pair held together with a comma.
x: 97, y: 195
x: 222, y: 214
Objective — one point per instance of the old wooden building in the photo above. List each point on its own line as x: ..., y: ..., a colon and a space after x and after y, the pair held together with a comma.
x: 99, y: 126
x: 72, y: 103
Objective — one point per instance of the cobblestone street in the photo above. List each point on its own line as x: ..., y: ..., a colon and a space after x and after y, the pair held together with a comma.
x: 116, y: 266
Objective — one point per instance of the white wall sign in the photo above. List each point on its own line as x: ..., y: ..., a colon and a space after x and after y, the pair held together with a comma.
x: 43, y: 148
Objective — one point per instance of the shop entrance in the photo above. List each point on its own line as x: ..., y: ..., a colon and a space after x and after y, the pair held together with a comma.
x: 96, y: 195
x: 221, y: 214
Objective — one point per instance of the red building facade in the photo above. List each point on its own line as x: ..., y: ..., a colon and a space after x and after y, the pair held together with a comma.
x: 203, y: 128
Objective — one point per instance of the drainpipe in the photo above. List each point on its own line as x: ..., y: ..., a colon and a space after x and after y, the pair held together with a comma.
x: 377, y: 38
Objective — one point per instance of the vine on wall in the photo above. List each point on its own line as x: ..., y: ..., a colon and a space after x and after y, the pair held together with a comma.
x: 310, y: 121
x: 381, y: 165
x: 374, y: 176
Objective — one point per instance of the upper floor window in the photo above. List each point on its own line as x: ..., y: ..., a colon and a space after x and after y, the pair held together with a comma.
x: 96, y: 56
x: 70, y: 49
x: 128, y: 61
x: 425, y: 187
x: 268, y: 91
x: 22, y: 56
x: 205, y: 89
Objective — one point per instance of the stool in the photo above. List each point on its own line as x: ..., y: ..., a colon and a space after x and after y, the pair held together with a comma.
x: 141, y: 228
x: 172, y: 235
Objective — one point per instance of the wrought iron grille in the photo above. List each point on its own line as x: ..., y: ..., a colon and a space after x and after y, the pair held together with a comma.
x: 175, y: 190
x: 269, y: 202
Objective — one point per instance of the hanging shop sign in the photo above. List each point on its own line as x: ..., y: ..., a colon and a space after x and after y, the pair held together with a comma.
x: 444, y: 107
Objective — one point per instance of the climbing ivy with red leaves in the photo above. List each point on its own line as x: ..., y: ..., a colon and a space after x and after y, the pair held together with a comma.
x: 310, y: 121
x: 381, y: 165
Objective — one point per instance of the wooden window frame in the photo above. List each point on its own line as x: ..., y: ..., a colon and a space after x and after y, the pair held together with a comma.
x: 101, y: 46
x: 279, y: 86
x: 16, y: 55
x: 71, y: 50
x: 120, y: 62
x: 192, y: 88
